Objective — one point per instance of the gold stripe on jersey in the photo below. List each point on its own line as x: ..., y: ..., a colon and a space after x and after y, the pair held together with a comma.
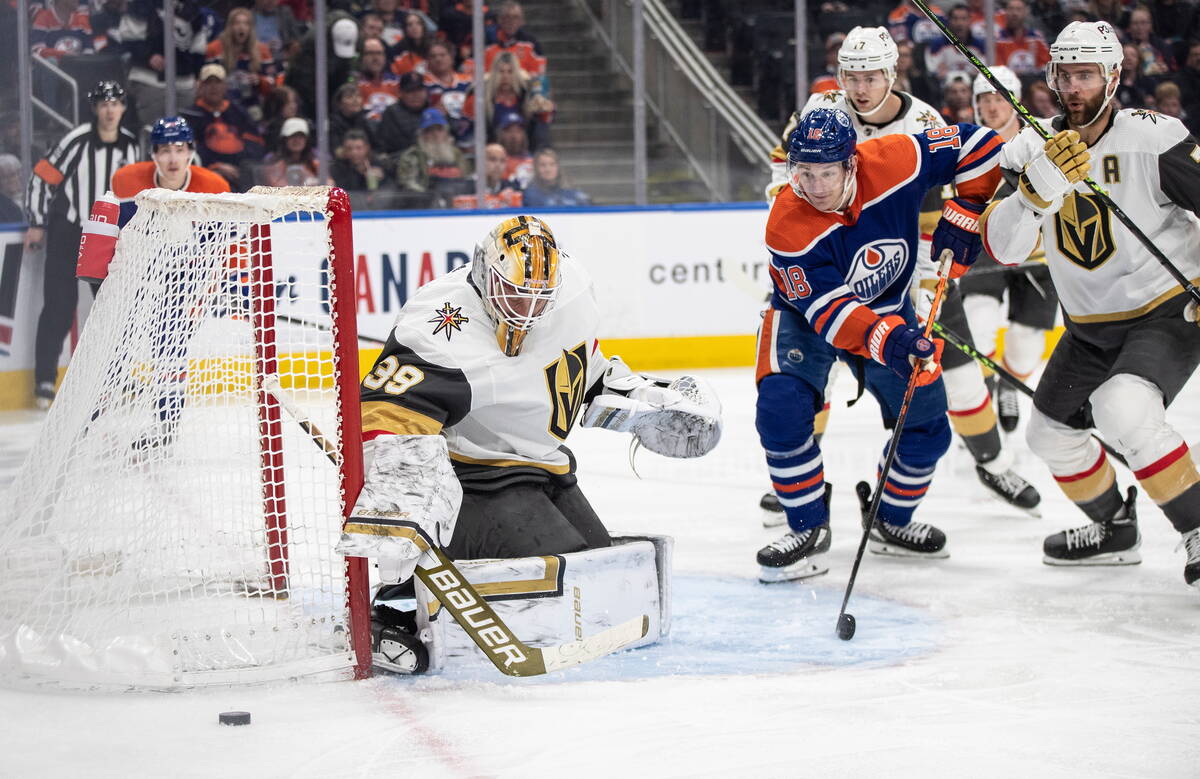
x: 1117, y: 316
x: 1083, y: 230
x: 556, y: 469
x: 928, y: 220
x: 396, y: 419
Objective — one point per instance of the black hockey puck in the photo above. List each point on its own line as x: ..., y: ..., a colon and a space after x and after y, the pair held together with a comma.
x: 845, y: 627
x: 234, y: 718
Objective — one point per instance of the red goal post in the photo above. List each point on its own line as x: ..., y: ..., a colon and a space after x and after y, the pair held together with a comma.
x: 173, y: 525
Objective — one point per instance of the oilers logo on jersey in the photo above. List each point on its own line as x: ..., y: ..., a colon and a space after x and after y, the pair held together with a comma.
x: 875, y: 266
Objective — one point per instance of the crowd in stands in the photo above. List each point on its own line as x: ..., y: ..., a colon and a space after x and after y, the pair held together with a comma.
x: 1161, y: 38
x: 400, y: 79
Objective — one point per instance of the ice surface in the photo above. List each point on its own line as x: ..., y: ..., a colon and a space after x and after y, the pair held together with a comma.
x: 986, y: 664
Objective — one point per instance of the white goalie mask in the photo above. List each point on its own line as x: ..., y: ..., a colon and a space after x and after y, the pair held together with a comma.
x: 516, y: 271
x: 1087, y: 42
x: 866, y: 49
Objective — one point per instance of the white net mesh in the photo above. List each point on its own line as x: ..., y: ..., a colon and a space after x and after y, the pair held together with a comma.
x: 174, y: 526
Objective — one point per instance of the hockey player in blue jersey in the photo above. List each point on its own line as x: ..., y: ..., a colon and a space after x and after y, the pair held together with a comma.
x: 843, y: 240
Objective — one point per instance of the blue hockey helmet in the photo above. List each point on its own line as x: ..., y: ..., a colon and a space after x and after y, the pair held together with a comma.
x: 823, y: 135
x: 171, y: 129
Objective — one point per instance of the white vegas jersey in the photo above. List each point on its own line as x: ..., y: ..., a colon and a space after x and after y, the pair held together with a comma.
x: 1150, y: 166
x: 443, y: 369
x: 916, y: 116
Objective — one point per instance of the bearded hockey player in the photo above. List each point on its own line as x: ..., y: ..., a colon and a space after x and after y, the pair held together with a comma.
x: 467, y: 408
x: 1032, y: 304
x: 843, y: 242
x: 867, y: 63
x: 1128, y: 349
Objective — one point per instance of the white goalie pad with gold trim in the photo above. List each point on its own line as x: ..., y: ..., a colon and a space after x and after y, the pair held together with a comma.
x: 409, y: 500
x: 555, y: 599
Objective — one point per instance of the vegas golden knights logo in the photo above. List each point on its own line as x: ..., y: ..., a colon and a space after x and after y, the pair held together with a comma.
x: 566, y: 380
x: 1084, y: 231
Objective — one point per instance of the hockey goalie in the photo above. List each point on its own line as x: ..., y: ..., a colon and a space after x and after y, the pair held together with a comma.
x: 465, y: 414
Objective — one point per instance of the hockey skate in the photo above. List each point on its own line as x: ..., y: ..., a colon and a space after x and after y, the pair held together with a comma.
x: 1191, y: 569
x: 43, y: 395
x: 394, y: 648
x: 796, y: 555
x: 916, y: 539
x: 1006, y: 407
x: 1011, y: 488
x: 1114, y: 542
x: 772, y: 510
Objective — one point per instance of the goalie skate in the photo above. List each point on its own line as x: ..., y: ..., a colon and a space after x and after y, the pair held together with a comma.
x: 1011, y: 488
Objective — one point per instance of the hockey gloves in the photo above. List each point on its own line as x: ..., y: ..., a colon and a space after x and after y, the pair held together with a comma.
x: 958, y: 232
x: 1064, y: 162
x: 409, y: 503
x: 1192, y: 313
x: 893, y: 343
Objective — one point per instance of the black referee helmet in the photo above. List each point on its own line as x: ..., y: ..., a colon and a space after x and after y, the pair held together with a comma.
x: 106, y: 90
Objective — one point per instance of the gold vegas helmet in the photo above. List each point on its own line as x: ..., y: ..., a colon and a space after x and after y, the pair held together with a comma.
x: 515, y: 269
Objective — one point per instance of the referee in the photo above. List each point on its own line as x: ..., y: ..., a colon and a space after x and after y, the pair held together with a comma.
x: 64, y: 185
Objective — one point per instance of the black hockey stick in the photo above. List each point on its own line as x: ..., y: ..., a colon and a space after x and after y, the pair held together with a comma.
x: 1021, y: 110
x: 474, y: 615
x: 846, y: 623
x: 961, y: 344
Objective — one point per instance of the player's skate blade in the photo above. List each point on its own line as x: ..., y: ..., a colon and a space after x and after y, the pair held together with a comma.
x: 795, y: 556
x: 772, y: 510
x: 1011, y: 488
x: 1115, y: 542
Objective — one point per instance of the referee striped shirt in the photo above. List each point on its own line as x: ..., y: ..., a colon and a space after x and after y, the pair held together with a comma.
x: 78, y: 170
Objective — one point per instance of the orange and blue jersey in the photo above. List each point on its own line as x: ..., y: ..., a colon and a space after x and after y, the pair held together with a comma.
x: 841, y: 271
x: 129, y: 180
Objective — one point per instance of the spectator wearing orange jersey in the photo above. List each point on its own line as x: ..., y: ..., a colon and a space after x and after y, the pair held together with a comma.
x: 414, y: 49
x: 510, y: 133
x: 248, y: 63
x: 377, y: 85
x: 456, y: 24
x: 448, y: 90
x: 61, y: 28
x: 226, y: 137
x: 1019, y: 46
x: 500, y: 192
x: 906, y: 22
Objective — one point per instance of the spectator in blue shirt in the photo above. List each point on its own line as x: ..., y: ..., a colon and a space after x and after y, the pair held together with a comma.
x: 548, y: 190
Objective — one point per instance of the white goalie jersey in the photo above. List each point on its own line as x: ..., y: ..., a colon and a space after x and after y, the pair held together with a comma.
x: 442, y: 371
x: 1150, y: 166
x: 916, y: 116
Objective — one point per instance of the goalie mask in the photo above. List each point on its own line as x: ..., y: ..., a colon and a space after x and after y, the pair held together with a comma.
x: 515, y: 270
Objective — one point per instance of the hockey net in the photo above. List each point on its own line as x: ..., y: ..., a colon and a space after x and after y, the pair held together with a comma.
x: 174, y: 526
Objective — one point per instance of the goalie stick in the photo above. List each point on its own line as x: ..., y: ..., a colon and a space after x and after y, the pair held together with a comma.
x: 474, y: 615
x: 961, y: 344
x: 1099, y: 191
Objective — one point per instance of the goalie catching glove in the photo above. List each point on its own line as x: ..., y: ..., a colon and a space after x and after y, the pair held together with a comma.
x: 408, y: 504
x: 681, y: 418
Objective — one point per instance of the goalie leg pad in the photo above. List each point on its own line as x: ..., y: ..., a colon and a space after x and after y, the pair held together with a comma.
x: 557, y: 598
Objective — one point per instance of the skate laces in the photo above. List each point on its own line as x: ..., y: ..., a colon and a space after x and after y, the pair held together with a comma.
x: 1006, y: 397
x: 1010, y: 482
x: 1082, y: 537
x: 1190, y: 542
x: 913, y: 532
x: 790, y: 541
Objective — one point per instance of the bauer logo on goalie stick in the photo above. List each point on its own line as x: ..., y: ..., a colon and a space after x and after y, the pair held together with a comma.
x: 565, y: 381
x: 1083, y: 230
x: 474, y: 615
x: 448, y: 320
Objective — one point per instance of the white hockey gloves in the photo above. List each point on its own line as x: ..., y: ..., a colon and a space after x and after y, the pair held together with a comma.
x: 681, y: 418
x: 1192, y: 313
x: 1064, y: 162
x: 409, y: 503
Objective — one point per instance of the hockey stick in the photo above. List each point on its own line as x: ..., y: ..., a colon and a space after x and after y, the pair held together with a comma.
x: 295, y: 320
x: 1021, y: 110
x: 846, y: 623
x: 474, y: 615
x: 961, y: 344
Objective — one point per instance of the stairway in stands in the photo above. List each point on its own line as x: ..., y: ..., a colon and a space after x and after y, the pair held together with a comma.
x: 593, y: 127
